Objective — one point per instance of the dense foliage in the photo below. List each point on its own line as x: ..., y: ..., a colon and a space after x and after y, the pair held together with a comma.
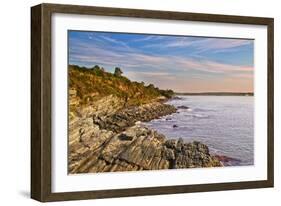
x: 93, y: 83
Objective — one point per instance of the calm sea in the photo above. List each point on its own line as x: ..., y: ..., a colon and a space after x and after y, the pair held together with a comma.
x: 224, y: 123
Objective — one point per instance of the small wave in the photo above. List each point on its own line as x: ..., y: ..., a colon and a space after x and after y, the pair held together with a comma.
x: 200, y: 115
x: 202, y: 110
x: 197, y: 115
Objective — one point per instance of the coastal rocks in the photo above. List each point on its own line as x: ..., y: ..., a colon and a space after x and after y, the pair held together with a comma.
x: 182, y: 107
x: 137, y: 148
x: 195, y: 154
x: 189, y: 155
x: 140, y: 148
x: 180, y: 144
x: 171, y: 143
x: 113, y: 139
x: 176, y: 98
x: 124, y: 118
x: 103, y: 107
x: 169, y: 154
x: 125, y: 137
x: 228, y: 161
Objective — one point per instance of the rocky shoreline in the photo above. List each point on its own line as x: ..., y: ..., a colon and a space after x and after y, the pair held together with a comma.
x: 107, y: 137
x: 127, y: 117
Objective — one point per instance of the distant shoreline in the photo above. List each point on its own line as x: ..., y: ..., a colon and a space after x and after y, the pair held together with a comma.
x: 217, y: 94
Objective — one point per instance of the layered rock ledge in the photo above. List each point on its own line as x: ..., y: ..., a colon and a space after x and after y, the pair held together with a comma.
x: 114, y: 140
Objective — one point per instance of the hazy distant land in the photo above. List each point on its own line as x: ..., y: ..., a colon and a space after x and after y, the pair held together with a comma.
x: 216, y: 93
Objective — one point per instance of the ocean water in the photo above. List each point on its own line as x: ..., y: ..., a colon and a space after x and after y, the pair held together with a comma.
x: 224, y: 123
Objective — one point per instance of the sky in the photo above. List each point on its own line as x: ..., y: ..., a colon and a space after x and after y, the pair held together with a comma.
x: 180, y: 63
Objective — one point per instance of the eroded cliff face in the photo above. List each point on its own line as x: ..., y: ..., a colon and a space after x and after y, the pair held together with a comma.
x: 108, y: 137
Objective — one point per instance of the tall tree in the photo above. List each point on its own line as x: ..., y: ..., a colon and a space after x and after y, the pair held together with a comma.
x: 118, y: 72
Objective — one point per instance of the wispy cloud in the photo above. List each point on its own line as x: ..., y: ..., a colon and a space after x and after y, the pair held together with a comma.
x: 220, y: 45
x: 149, y: 38
x: 211, y: 66
x: 91, y: 55
x: 170, y: 43
x: 116, y: 42
x: 166, y: 68
x: 202, y: 44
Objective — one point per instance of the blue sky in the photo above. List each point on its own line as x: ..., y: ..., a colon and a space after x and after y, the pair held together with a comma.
x: 181, y: 63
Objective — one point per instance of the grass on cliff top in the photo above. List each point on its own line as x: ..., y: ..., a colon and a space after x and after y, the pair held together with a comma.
x: 94, y: 83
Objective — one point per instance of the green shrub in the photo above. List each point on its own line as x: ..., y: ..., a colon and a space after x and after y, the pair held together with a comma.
x: 95, y: 80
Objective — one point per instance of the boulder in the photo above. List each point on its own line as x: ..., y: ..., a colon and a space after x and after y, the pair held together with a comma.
x: 228, y: 160
x: 177, y: 98
x: 169, y: 154
x: 179, y: 145
x: 182, y: 107
x: 171, y: 143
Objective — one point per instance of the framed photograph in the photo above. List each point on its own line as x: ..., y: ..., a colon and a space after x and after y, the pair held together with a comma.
x: 130, y: 102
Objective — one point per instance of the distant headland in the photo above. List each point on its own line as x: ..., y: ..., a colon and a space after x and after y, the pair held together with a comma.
x: 216, y: 93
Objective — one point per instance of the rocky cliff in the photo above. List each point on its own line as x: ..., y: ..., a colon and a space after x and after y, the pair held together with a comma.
x: 114, y: 139
x: 106, y: 133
